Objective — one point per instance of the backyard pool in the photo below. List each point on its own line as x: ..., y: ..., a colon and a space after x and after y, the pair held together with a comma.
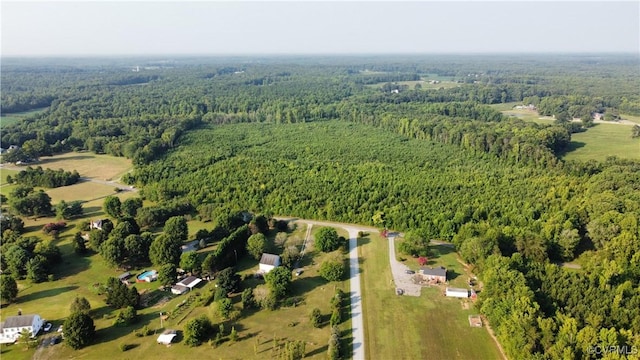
x: 148, y: 276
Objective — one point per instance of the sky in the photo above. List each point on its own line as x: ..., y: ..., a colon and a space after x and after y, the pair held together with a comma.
x: 90, y: 28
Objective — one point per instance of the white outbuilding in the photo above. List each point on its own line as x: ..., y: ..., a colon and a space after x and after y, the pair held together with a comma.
x: 456, y: 292
x: 268, y: 262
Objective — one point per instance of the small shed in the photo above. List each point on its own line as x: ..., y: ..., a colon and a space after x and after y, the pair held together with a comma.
x: 179, y: 289
x: 167, y: 337
x: 457, y: 292
x: 124, y: 276
x: 268, y: 262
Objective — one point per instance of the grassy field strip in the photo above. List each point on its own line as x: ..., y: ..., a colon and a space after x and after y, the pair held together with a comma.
x: 430, y: 326
x: 8, y: 119
x: 602, y: 141
x: 597, y: 143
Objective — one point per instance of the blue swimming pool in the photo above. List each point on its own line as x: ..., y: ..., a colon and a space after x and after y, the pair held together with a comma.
x: 148, y: 275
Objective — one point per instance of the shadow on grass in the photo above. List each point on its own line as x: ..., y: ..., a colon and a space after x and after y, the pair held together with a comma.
x: 246, y: 263
x: 92, y: 209
x: 346, y: 343
x: 44, y: 294
x: 130, y: 346
x: 436, y: 251
x: 71, y: 263
x: 114, y: 332
x: 301, y: 286
x: 317, y: 351
x: 452, y: 274
x: 76, y: 157
x: 573, y: 145
x: 365, y: 240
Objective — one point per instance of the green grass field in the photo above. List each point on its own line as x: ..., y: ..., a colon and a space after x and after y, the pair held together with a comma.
x: 257, y: 329
x: 100, y: 167
x: 8, y: 119
x: 430, y: 326
x: 425, y: 83
x: 597, y: 143
x: 602, y: 141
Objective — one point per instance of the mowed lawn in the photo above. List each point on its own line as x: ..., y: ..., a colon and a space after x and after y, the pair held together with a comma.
x: 427, y: 327
x: 596, y: 143
x: 256, y: 328
x: 602, y: 141
x: 99, y: 167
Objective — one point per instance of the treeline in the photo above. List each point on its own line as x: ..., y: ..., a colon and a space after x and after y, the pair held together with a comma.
x: 142, y: 122
x: 469, y: 125
x: 44, y: 178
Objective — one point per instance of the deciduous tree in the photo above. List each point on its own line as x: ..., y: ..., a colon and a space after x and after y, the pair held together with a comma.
x: 326, y: 239
x: 257, y: 245
x: 8, y: 288
x: 79, y: 330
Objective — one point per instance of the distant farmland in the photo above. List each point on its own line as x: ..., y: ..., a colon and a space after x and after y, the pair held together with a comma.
x: 8, y: 119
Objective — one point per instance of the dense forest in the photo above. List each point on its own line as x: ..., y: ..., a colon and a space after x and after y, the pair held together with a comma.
x: 342, y: 139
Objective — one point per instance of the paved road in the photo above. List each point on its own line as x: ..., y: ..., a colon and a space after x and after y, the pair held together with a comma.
x: 357, y: 325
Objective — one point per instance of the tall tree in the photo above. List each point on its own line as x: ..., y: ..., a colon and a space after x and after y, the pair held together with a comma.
x: 197, y: 330
x: 8, y: 288
x: 278, y: 281
x: 326, y: 239
x: 257, y: 245
x: 190, y: 261
x: 111, y: 207
x: 167, y: 274
x: 228, y: 280
x: 176, y: 229
x: 165, y: 250
x: 79, y: 330
x: 80, y: 304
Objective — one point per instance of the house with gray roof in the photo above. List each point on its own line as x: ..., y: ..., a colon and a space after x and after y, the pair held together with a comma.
x: 12, y: 326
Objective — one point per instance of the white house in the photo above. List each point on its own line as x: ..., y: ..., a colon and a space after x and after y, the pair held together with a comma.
x: 97, y: 224
x: 268, y: 262
x: 12, y: 326
x: 456, y: 292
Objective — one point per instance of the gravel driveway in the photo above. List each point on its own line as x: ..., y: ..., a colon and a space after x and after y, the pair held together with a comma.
x: 401, y: 279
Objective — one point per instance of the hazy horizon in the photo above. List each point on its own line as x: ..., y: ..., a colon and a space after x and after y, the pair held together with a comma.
x: 150, y: 29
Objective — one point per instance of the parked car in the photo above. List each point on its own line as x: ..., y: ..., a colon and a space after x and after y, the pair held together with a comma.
x: 47, y: 327
x: 409, y: 272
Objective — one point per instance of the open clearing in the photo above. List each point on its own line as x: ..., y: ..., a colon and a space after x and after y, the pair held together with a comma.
x: 596, y: 143
x: 8, y: 119
x: 430, y: 326
x: 602, y: 141
x: 100, y: 167
x: 426, y: 85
